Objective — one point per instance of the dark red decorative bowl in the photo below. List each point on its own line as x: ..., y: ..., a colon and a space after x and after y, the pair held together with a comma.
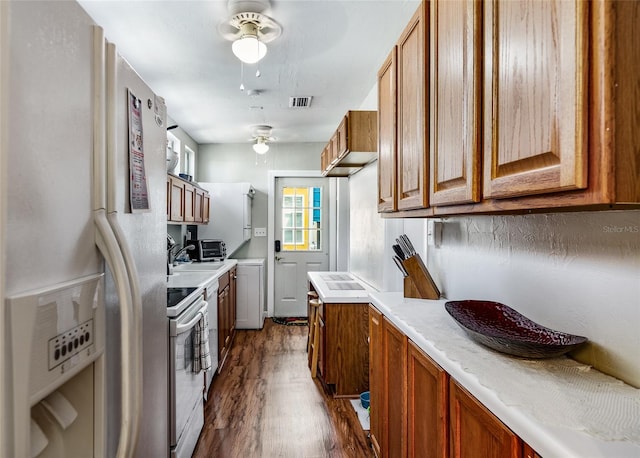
x: 503, y: 329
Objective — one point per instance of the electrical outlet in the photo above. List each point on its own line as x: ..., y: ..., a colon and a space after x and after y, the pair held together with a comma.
x: 259, y: 231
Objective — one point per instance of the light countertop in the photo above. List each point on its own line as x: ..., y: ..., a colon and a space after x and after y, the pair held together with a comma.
x: 559, y: 407
x: 340, y: 287
x: 196, y: 274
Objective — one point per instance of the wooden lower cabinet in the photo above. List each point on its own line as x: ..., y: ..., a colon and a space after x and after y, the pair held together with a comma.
x: 475, y: 431
x: 528, y: 452
x: 427, y: 401
x: 226, y: 315
x: 233, y: 295
x: 418, y: 410
x: 344, y: 348
x: 394, y: 434
x: 376, y: 372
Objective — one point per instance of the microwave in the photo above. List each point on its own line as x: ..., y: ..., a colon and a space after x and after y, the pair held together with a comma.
x: 209, y: 250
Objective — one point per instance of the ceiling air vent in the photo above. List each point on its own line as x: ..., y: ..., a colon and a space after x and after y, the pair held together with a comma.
x: 299, y: 102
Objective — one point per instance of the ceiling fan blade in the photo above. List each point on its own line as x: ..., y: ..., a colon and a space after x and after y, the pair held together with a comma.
x: 228, y: 32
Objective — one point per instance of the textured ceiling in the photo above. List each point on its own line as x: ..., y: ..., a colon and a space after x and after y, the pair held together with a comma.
x: 330, y: 50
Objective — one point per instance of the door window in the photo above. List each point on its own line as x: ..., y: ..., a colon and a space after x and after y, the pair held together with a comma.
x: 301, y: 219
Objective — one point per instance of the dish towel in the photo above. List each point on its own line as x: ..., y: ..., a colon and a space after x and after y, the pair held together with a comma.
x: 201, y: 355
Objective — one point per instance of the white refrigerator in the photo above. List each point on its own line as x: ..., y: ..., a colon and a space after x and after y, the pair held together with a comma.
x: 84, y: 327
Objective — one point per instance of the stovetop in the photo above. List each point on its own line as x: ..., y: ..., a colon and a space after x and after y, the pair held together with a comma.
x: 179, y: 299
x: 176, y: 295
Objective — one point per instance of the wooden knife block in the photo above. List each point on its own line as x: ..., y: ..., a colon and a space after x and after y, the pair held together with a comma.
x: 419, y: 284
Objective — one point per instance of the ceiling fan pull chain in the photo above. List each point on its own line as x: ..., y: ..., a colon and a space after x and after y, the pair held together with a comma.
x: 241, y: 76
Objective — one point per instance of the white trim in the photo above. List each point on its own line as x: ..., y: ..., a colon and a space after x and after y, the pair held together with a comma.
x: 272, y: 175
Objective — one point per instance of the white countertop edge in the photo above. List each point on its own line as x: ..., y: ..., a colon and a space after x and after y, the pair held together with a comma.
x: 545, y: 440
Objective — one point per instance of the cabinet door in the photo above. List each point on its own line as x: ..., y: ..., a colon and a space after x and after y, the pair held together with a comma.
x: 342, y: 140
x: 233, y: 276
x: 413, y: 163
x: 375, y: 378
x: 206, y: 202
x: 198, y: 205
x: 324, y: 159
x: 387, y: 146
x: 475, y: 431
x: 427, y: 406
x: 535, y: 110
x: 222, y: 319
x: 177, y: 199
x: 394, y: 433
x: 333, y: 148
x: 455, y: 104
x: 189, y: 202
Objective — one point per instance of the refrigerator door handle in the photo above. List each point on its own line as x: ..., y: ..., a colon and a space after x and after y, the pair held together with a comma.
x: 134, y: 337
x: 108, y: 245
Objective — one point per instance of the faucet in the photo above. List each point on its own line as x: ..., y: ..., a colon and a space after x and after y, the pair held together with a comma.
x: 171, y: 258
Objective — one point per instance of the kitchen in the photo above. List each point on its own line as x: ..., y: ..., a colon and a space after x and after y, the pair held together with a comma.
x: 585, y: 263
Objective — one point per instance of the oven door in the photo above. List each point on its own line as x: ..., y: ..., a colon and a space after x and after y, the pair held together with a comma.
x: 185, y: 386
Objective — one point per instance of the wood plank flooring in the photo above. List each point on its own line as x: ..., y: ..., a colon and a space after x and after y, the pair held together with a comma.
x: 265, y: 404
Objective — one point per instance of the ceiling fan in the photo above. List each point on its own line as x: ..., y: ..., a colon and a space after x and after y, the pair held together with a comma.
x: 262, y: 135
x: 249, y: 28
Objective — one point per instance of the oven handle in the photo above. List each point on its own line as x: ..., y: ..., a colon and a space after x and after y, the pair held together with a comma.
x: 182, y: 327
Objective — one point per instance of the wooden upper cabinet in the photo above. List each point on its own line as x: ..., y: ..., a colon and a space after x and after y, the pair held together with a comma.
x: 176, y: 199
x: 412, y: 160
x: 455, y: 102
x: 387, y: 102
x: 206, y: 203
x: 198, y: 205
x: 341, y: 146
x: 475, y: 431
x: 186, y: 202
x: 427, y: 406
x: 352, y: 146
x: 535, y: 111
x: 189, y: 203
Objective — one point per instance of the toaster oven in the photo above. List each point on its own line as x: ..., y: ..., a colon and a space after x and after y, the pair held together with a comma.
x: 209, y: 250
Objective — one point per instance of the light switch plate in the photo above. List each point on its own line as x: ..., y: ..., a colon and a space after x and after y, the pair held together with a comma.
x: 259, y: 231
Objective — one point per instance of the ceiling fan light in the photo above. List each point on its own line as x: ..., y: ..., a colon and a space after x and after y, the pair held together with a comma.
x: 248, y: 48
x: 260, y: 147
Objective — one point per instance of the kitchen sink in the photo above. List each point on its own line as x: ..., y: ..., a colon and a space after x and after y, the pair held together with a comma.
x: 199, y: 267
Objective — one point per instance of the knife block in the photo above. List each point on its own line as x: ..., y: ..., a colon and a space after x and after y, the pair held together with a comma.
x: 419, y: 284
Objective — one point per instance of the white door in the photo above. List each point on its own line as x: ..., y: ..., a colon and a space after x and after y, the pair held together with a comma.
x: 302, y: 240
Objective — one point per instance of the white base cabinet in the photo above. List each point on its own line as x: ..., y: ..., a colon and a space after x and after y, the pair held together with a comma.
x: 250, y: 294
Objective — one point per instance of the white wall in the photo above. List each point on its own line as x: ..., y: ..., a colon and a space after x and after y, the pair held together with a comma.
x: 575, y: 272
x: 232, y: 163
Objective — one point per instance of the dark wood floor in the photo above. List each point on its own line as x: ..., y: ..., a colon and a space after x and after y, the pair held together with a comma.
x: 265, y: 404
